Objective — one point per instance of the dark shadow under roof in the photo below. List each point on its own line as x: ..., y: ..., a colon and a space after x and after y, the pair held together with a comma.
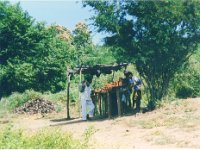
x: 97, y: 69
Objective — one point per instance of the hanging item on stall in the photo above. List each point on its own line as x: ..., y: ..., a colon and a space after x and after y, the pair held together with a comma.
x: 98, y: 73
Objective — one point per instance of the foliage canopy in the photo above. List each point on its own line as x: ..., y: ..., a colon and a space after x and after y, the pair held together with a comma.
x: 158, y: 36
x: 31, y: 55
x: 34, y: 56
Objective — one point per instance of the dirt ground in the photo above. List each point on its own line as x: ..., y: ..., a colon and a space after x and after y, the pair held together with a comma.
x: 174, y: 125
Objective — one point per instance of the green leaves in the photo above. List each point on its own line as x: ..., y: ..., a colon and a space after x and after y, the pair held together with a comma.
x: 86, y: 53
x: 31, y: 55
x: 158, y: 36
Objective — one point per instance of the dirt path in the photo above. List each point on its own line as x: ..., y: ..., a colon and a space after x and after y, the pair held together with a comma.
x: 174, y: 126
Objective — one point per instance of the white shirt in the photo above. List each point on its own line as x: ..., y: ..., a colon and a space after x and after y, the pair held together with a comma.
x: 135, y: 80
x: 86, y: 95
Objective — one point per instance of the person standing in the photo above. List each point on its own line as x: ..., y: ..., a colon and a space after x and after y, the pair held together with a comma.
x: 137, y: 92
x: 128, y: 86
x: 123, y: 91
x: 87, y: 106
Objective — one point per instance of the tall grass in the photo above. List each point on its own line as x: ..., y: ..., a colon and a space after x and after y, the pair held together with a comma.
x: 44, y: 139
x: 18, y: 99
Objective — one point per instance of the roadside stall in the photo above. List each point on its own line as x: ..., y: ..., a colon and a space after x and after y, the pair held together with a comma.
x: 107, y: 99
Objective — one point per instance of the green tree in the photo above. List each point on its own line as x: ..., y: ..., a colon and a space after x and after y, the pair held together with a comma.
x: 82, y: 42
x: 158, y: 36
x: 31, y: 55
x: 86, y: 52
x: 186, y: 81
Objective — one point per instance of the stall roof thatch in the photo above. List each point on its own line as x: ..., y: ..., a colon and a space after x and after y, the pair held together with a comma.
x: 97, y: 69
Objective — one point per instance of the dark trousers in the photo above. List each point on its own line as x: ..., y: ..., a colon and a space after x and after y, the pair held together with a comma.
x: 137, y: 99
x: 124, y: 107
x: 128, y: 99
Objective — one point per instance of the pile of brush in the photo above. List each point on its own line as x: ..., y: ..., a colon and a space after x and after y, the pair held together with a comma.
x: 36, y: 106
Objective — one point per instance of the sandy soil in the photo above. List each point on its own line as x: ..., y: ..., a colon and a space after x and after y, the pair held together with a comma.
x: 176, y: 125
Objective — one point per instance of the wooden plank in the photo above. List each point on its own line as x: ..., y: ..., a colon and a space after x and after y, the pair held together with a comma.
x: 118, y: 102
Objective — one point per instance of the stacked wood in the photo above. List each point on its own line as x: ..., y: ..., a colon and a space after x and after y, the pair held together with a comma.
x: 36, y: 106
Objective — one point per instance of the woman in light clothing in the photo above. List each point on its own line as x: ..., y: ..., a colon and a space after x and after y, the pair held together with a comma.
x: 87, y: 106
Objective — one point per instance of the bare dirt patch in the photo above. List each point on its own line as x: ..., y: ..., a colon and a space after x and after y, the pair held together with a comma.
x: 176, y: 125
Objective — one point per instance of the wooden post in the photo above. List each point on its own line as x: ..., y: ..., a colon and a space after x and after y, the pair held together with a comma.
x: 94, y: 100
x: 99, y: 101
x: 79, y: 94
x: 68, y: 87
x: 109, y: 105
x: 105, y: 103
x: 118, y: 102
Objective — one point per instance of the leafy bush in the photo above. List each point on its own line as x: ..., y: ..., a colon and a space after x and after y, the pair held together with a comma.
x: 57, y: 97
x: 186, y: 82
x: 184, y: 92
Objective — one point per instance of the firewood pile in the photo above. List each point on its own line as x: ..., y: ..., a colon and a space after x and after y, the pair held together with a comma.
x: 36, y: 106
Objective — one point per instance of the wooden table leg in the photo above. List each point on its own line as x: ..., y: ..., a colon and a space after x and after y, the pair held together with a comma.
x: 109, y: 104
x: 118, y: 102
x: 99, y: 103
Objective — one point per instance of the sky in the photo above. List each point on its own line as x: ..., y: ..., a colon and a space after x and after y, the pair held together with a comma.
x: 63, y: 12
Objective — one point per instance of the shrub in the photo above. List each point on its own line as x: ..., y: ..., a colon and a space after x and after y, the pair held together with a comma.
x: 184, y: 92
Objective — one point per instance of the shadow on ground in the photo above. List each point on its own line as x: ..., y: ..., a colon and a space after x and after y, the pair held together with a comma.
x: 65, y: 121
x: 97, y: 118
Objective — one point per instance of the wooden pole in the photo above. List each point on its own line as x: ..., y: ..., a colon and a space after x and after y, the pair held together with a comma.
x: 68, y: 88
x: 94, y: 99
x: 118, y: 102
x: 99, y: 101
x: 105, y: 104
x: 80, y: 94
x: 109, y: 105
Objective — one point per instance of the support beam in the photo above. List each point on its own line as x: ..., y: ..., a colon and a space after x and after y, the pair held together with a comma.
x: 109, y: 104
x: 118, y: 102
x: 105, y: 102
x: 79, y: 94
x: 99, y: 103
